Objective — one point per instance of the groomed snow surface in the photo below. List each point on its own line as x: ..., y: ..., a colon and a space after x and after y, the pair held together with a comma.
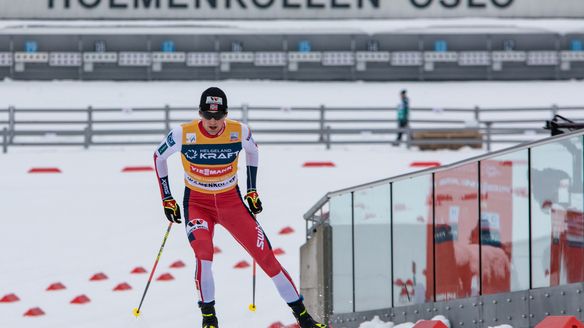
x: 93, y: 218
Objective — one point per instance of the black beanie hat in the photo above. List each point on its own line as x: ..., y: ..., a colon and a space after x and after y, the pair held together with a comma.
x: 213, y: 99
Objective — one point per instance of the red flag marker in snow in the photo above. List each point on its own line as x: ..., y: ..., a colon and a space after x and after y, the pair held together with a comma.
x: 34, y: 312
x: 9, y: 298
x: 318, y: 164
x: 178, y: 264
x: 56, y: 286
x: 81, y: 299
x: 292, y: 325
x: 276, y: 325
x: 98, y: 276
x: 137, y: 169
x: 279, y: 251
x: 424, y: 164
x: 216, y: 250
x: 286, y: 231
x: 122, y: 287
x: 44, y: 170
x: 165, y: 277
x: 241, y: 265
x: 138, y: 270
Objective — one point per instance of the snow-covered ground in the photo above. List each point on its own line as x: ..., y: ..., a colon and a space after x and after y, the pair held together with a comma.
x: 93, y: 218
x: 74, y: 94
x: 378, y: 323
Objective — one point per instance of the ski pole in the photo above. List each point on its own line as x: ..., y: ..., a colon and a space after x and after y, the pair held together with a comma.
x: 252, y: 306
x: 136, y: 311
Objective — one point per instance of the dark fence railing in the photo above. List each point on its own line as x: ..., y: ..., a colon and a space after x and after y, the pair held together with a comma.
x: 429, y: 127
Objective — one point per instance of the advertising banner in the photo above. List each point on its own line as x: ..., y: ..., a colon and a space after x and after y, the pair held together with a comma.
x: 285, y: 9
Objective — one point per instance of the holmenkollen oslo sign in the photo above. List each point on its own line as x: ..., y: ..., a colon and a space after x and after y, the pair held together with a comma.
x: 290, y: 9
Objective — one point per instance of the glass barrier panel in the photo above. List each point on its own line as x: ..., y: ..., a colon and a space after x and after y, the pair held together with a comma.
x: 557, y: 223
x: 505, y: 223
x: 456, y: 234
x: 372, y: 214
x: 340, y: 218
x: 412, y: 241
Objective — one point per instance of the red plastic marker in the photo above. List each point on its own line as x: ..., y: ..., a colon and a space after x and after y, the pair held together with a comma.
x: 56, y: 286
x: 165, y: 277
x: 122, y: 287
x: 318, y: 164
x: 9, y: 298
x: 98, y: 276
x: 137, y: 169
x: 241, y: 265
x: 424, y: 164
x: 286, y: 231
x: 44, y: 170
x: 34, y: 312
x: 178, y: 264
x: 138, y: 270
x: 81, y: 299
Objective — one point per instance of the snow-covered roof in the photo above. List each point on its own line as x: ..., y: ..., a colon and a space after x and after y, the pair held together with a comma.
x: 372, y: 26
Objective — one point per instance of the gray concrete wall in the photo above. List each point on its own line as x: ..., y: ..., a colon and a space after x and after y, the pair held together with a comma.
x: 315, y: 268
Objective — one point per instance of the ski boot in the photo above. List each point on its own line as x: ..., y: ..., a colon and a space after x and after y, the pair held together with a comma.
x: 209, y: 317
x: 302, y: 317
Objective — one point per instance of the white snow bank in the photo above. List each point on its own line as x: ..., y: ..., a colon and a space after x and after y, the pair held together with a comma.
x: 405, y: 325
x: 443, y: 319
x: 376, y: 323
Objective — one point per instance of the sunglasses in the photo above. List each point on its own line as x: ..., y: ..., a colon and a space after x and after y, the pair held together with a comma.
x: 213, y: 115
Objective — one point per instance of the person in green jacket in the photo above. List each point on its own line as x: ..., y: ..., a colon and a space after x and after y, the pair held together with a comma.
x: 403, y: 114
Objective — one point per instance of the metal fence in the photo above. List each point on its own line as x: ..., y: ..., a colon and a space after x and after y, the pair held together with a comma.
x: 88, y: 127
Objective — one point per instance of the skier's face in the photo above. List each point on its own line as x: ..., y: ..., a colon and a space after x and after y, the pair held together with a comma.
x: 212, y: 124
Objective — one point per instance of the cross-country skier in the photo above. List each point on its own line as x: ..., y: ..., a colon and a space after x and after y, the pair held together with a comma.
x: 209, y: 149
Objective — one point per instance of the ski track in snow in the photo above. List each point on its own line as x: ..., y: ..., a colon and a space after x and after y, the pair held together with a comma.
x: 92, y: 218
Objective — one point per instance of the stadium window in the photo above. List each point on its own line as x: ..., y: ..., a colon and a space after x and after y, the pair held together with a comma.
x: 99, y: 46
x: 236, y: 46
x: 304, y: 46
x: 31, y: 46
x: 509, y: 45
x: 373, y: 45
x: 168, y: 46
x: 576, y: 45
x: 440, y: 46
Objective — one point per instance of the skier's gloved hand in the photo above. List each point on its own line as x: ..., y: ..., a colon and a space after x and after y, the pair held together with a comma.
x: 253, y: 201
x: 171, y: 210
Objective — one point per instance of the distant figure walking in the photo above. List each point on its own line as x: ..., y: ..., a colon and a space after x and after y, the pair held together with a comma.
x: 403, y: 114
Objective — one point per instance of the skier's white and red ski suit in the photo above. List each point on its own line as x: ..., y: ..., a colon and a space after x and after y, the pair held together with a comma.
x: 212, y: 197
